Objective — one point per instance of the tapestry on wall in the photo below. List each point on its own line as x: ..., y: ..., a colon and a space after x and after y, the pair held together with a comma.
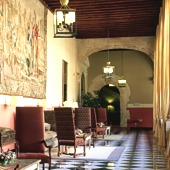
x: 23, y: 27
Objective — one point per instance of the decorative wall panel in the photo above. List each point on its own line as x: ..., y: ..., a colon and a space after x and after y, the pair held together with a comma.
x: 23, y: 48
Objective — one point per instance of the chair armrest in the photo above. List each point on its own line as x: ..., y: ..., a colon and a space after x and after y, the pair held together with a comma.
x: 83, y: 135
x: 49, y: 147
x: 45, y: 144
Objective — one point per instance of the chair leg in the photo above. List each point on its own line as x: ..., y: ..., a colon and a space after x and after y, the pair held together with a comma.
x: 49, y: 167
x: 58, y: 150
x: 66, y: 149
x: 43, y: 166
x: 93, y: 143
x: 74, y: 151
x: 85, y: 150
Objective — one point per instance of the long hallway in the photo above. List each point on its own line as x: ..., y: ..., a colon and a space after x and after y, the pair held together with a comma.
x: 141, y: 153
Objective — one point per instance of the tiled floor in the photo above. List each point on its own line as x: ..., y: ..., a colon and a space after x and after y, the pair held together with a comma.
x: 141, y: 153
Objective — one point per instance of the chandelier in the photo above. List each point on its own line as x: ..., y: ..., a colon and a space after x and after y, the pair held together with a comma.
x: 108, y: 70
x: 122, y: 81
x: 65, y: 21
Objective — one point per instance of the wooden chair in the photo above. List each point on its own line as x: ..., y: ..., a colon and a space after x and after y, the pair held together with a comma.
x: 66, y: 131
x: 83, y: 121
x: 97, y: 131
x: 101, y: 114
x: 30, y: 142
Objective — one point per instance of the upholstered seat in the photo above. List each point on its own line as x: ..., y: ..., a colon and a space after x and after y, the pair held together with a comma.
x: 30, y: 135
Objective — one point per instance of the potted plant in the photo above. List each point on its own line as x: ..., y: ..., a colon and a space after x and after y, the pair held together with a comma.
x: 91, y: 100
x: 7, y: 157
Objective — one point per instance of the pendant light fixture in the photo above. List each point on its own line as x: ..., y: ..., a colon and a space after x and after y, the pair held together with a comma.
x: 108, y: 70
x: 122, y: 81
x: 65, y: 21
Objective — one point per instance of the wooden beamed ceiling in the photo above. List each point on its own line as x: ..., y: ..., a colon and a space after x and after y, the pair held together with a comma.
x: 128, y: 18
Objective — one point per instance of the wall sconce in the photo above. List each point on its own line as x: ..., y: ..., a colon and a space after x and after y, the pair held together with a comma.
x: 16, y: 101
x: 5, y: 100
x: 74, y: 105
x: 44, y: 104
x: 67, y: 104
x: 13, y: 101
x: 65, y: 21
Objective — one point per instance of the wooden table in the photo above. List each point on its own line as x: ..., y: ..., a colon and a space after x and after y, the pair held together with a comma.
x: 28, y: 164
x: 24, y: 164
x: 107, y: 130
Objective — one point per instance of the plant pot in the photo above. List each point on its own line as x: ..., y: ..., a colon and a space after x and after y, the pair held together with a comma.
x: 3, y: 163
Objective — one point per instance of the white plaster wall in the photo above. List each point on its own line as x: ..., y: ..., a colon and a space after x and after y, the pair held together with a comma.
x: 59, y: 49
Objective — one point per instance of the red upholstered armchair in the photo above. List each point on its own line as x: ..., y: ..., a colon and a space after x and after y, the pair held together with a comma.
x: 30, y: 135
x: 66, y: 131
x: 101, y: 114
x: 97, y: 131
x: 83, y: 121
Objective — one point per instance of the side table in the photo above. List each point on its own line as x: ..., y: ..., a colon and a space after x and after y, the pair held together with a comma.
x: 28, y: 164
x: 107, y: 130
x: 22, y: 164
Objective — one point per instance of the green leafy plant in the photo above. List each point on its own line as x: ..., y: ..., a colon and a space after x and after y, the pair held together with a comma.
x: 91, y: 100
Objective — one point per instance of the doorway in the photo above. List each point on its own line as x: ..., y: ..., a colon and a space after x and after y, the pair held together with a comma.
x: 110, y: 99
x: 64, y: 81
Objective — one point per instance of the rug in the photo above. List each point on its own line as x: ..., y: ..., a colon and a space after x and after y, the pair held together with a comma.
x: 98, y: 153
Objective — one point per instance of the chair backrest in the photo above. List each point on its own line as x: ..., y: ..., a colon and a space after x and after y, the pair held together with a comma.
x: 101, y: 114
x: 30, y: 129
x: 93, y: 119
x: 83, y: 119
x: 65, y: 124
x: 49, y: 118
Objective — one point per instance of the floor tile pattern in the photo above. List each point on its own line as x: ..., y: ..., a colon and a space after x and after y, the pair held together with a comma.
x: 141, y: 153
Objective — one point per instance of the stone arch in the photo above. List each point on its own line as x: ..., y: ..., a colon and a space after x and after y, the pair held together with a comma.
x: 86, y: 47
x: 98, y: 83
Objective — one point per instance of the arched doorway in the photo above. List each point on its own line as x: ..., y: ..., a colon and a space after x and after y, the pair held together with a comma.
x: 110, y: 99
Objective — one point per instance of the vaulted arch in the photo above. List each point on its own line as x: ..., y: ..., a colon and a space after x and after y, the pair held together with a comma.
x: 86, y: 47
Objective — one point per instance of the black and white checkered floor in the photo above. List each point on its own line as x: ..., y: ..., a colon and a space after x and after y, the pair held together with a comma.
x: 141, y: 153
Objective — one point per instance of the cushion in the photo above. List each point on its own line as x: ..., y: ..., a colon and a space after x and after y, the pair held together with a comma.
x: 50, y: 134
x: 51, y: 138
x: 7, y: 135
x: 47, y: 126
x: 52, y: 142
x: 79, y: 131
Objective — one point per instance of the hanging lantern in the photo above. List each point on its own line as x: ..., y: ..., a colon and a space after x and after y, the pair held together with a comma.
x: 65, y: 21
